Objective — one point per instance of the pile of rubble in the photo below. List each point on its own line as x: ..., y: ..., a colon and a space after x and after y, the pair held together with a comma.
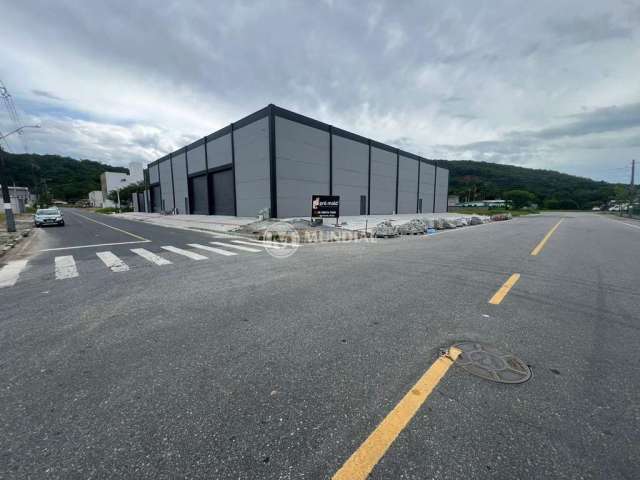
x: 418, y: 226
x: 500, y: 217
x: 298, y: 230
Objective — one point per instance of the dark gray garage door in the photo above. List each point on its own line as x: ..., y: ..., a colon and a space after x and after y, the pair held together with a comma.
x: 156, y: 205
x: 221, y: 184
x: 198, y: 195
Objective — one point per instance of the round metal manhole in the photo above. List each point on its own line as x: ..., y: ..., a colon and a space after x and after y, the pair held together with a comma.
x: 488, y: 362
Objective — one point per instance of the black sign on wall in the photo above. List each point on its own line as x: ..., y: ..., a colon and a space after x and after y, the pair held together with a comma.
x: 325, y: 206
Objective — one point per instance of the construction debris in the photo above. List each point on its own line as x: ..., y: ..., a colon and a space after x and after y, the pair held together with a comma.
x: 501, y: 217
x: 415, y: 226
x: 386, y: 229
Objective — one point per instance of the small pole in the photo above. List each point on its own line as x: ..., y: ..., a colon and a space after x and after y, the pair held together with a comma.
x: 6, y: 198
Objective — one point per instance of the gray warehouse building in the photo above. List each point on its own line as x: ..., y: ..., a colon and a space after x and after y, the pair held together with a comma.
x: 274, y: 160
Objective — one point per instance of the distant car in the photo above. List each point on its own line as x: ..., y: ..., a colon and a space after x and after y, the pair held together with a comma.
x: 48, y: 216
x: 596, y: 209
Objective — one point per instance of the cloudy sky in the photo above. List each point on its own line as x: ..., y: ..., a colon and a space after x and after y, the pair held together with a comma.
x: 544, y: 84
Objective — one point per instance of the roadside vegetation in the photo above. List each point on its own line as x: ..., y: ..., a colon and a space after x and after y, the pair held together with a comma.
x: 63, y: 178
x: 547, y: 189
x: 494, y: 211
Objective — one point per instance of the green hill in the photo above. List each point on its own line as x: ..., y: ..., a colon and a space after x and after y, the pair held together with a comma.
x: 66, y: 178
x: 69, y: 179
x: 482, y: 180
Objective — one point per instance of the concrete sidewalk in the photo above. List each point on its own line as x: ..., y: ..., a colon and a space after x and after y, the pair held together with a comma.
x: 206, y: 223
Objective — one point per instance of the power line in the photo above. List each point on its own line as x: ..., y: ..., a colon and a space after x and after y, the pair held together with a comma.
x: 10, y: 106
x: 6, y: 144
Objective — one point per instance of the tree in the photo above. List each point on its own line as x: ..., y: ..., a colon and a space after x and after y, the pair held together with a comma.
x: 491, y: 179
x: 519, y: 198
x: 44, y: 199
x: 623, y: 196
x: 551, y: 204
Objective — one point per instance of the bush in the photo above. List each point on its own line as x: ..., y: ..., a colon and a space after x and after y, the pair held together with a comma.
x: 106, y: 210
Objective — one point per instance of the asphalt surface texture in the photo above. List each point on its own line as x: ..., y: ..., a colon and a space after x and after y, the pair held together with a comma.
x: 252, y: 366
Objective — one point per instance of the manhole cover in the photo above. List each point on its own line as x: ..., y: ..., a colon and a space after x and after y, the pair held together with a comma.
x: 488, y: 362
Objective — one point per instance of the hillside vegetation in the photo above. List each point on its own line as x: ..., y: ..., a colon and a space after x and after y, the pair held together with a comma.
x: 66, y: 178
x: 482, y: 180
x: 70, y: 180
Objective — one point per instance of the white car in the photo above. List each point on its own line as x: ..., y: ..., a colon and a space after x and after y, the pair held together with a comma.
x: 48, y: 216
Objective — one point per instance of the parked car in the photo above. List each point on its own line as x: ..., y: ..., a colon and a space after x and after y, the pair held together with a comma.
x: 48, y: 216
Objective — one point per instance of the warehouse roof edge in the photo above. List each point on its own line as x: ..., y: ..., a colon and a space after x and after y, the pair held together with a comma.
x: 297, y: 117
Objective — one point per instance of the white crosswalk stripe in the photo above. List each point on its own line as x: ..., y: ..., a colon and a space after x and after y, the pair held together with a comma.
x: 186, y: 253
x: 256, y: 243
x: 237, y: 247
x: 65, y: 267
x: 219, y: 251
x: 152, y: 257
x: 10, y: 272
x: 112, y: 261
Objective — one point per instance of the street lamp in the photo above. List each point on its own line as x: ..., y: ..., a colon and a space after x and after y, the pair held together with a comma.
x: 6, y: 198
x: 18, y: 130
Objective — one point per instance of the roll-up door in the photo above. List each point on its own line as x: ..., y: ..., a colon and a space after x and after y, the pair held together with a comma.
x: 198, y: 195
x: 156, y: 202
x: 221, y: 186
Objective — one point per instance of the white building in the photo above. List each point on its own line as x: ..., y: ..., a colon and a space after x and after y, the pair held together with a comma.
x: 20, y: 199
x: 111, y: 181
x: 96, y: 199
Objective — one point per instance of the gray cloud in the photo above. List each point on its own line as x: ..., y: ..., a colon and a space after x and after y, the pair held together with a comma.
x: 45, y: 94
x: 593, y: 29
x: 500, y: 80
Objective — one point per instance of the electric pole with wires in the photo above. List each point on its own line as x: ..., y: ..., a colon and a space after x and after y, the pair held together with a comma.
x: 6, y: 197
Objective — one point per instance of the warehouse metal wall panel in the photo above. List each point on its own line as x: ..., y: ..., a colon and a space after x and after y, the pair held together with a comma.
x: 383, y: 181
x: 442, y: 189
x: 153, y: 174
x: 166, y: 185
x: 253, y: 191
x: 427, y: 174
x: 219, y: 151
x: 350, y: 173
x: 196, y: 159
x: 302, y: 166
x: 407, y: 185
x: 180, y: 183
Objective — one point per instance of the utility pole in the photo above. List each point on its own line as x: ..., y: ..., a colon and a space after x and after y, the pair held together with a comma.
x: 4, y: 181
x: 6, y: 198
x: 632, y: 190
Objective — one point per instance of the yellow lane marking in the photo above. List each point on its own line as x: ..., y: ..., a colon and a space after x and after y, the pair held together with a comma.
x: 365, y: 458
x: 112, y: 227
x: 504, y: 289
x: 541, y: 245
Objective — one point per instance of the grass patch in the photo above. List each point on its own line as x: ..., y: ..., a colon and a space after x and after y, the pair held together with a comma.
x: 493, y: 211
x: 106, y: 210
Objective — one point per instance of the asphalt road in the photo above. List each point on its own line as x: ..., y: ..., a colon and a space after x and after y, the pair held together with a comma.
x: 251, y: 366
